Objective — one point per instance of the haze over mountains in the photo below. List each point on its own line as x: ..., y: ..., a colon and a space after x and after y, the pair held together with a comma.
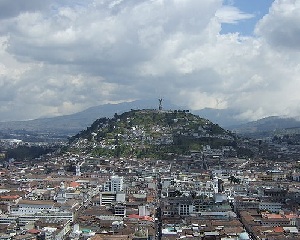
x: 73, y: 123
x: 268, y: 127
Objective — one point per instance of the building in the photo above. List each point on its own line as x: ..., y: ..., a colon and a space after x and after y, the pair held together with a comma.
x: 107, y: 198
x: 114, y: 184
x: 270, y: 206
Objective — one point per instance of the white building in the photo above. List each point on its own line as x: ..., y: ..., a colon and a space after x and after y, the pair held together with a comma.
x: 29, y: 207
x: 28, y: 210
x: 107, y: 198
x: 270, y: 206
x: 114, y: 184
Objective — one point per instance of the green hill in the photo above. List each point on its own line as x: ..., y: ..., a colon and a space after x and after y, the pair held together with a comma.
x: 151, y: 134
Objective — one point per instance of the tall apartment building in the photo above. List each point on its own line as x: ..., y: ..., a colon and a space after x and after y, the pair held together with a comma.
x: 114, y: 184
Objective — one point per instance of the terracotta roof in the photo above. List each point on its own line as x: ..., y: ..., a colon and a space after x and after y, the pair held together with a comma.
x: 10, y: 197
x: 272, y: 215
x: 133, y: 216
x: 74, y: 184
x: 291, y: 216
x: 278, y: 230
x: 33, y: 231
x: 111, y: 237
x: 145, y: 218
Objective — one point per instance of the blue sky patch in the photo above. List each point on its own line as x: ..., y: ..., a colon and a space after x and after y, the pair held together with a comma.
x: 257, y: 8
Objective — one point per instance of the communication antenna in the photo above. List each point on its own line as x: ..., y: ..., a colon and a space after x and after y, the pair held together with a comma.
x: 160, y: 104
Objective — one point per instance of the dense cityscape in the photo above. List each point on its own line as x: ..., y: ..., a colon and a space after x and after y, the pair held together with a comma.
x: 149, y: 120
x: 204, y: 193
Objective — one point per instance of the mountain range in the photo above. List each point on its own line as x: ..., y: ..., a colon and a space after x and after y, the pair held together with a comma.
x: 71, y: 124
x: 267, y: 127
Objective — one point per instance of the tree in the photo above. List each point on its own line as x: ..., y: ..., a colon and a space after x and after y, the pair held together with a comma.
x: 220, y: 185
x: 233, y: 179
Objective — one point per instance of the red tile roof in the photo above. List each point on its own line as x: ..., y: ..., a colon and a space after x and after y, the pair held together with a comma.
x: 10, y: 197
x: 278, y: 230
x: 33, y: 231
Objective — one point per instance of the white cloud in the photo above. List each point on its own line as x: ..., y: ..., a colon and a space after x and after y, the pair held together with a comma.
x: 280, y: 28
x: 66, y: 56
x: 231, y: 14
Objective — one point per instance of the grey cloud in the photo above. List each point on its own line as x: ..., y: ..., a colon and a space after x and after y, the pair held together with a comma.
x: 283, y: 36
x: 75, y: 56
x: 112, y: 46
x: 113, y: 38
x: 7, y: 87
x: 9, y: 8
x: 280, y: 28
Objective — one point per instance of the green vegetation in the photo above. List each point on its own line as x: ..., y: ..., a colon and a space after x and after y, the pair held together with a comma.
x: 27, y: 152
x: 151, y: 134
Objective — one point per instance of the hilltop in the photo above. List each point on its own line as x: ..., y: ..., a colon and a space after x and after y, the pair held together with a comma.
x: 151, y: 134
x: 61, y: 127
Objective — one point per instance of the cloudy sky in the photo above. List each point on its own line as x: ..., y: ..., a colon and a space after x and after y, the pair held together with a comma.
x: 59, y: 57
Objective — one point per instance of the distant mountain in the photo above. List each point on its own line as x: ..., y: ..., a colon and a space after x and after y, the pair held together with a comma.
x: 223, y: 117
x: 267, y: 126
x: 69, y: 125
x: 151, y: 133
x: 73, y: 123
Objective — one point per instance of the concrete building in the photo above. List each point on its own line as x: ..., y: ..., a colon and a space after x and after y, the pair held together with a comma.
x: 114, y: 184
x: 107, y: 198
x: 270, y: 206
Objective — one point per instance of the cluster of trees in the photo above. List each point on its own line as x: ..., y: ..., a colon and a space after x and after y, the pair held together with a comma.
x: 291, y: 139
x: 233, y: 179
x: 27, y: 152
